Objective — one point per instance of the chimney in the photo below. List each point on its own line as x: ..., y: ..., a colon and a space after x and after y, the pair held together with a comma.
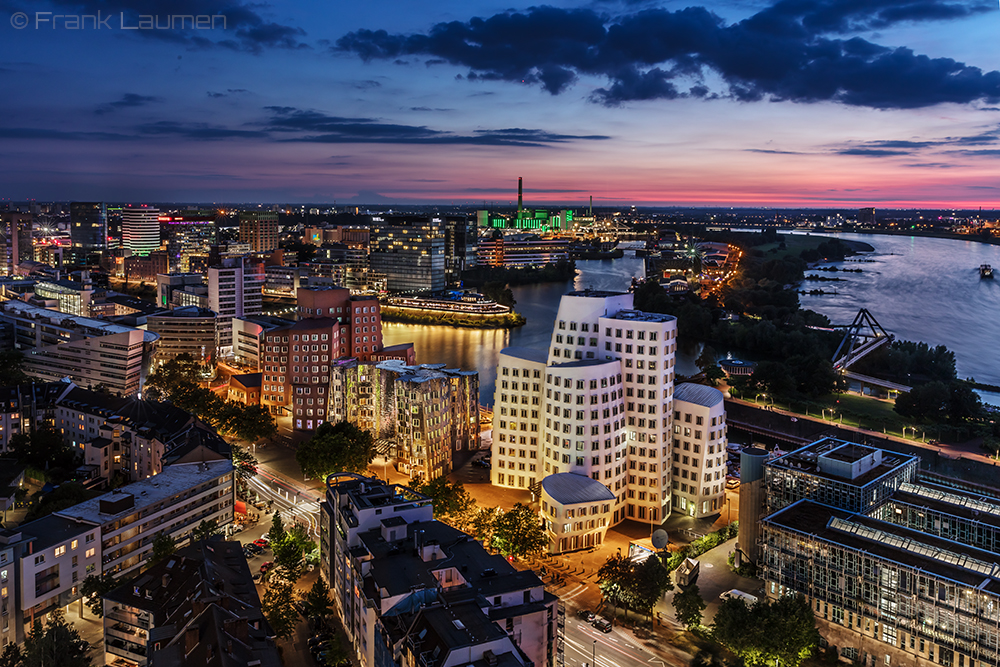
x: 166, y: 580
x: 520, y: 199
x: 237, y: 628
x: 190, y: 639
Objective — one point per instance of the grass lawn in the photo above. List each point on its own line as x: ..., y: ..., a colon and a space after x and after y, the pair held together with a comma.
x: 854, y: 410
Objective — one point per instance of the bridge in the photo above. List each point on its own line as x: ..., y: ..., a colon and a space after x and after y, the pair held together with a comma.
x: 862, y: 337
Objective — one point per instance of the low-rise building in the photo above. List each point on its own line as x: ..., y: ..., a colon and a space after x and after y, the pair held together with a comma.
x: 577, y: 511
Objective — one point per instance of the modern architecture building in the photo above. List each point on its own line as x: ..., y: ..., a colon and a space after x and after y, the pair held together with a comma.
x: 235, y: 289
x: 598, y: 403
x: 88, y: 229
x: 198, y: 607
x: 111, y: 534
x: 92, y: 353
x: 140, y: 229
x: 577, y: 511
x: 186, y: 330
x: 17, y: 242
x: 410, y: 251
x: 259, y: 229
x: 186, y: 233
x: 698, y: 457
x: 409, y: 586
x: 515, y: 250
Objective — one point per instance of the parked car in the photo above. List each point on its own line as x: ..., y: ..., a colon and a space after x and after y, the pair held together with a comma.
x: 318, y: 639
x: 266, y: 540
x: 253, y: 548
x: 602, y: 624
x: 266, y: 566
x: 261, y: 543
x: 481, y: 463
x: 587, y: 615
x: 732, y: 483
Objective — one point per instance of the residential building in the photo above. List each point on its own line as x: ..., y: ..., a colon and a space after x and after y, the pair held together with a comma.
x: 245, y: 389
x: 409, y: 586
x: 140, y: 230
x: 25, y: 408
x: 186, y: 330
x: 113, y: 533
x: 90, y: 352
x: 597, y: 403
x: 199, y: 606
x: 17, y: 243
x: 248, y: 337
x: 88, y: 227
x: 410, y: 251
x: 13, y: 543
x: 699, y: 456
x: 259, y: 230
x: 235, y: 289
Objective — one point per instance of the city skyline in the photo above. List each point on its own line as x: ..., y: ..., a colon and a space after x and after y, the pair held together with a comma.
x: 820, y: 103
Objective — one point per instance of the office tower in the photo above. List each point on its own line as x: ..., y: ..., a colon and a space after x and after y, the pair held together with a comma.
x: 866, y: 216
x: 16, y: 230
x: 460, y: 246
x: 235, y: 289
x: 410, y: 251
x: 186, y: 330
x: 187, y: 233
x: 88, y: 228
x: 399, y: 577
x: 599, y: 403
x: 259, y: 229
x: 140, y: 229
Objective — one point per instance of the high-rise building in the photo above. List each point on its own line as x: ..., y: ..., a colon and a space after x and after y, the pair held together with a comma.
x: 235, y: 289
x: 410, y: 251
x: 140, y: 229
x: 866, y: 216
x: 259, y: 229
x: 187, y: 233
x: 400, y: 578
x: 88, y: 228
x: 600, y: 404
x: 16, y: 231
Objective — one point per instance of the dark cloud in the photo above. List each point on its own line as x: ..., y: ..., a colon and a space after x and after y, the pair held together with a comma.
x: 231, y: 91
x: 128, y: 100
x: 196, y: 131
x: 365, y: 85
x: 61, y: 135
x: 314, y: 126
x: 870, y: 152
x: 246, y: 27
x: 772, y: 151
x: 796, y: 50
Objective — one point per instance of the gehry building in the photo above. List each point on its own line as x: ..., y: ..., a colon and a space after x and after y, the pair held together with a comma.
x: 600, y: 403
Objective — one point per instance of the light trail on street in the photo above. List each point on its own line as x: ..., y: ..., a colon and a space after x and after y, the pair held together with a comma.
x: 613, y: 649
x: 284, y: 498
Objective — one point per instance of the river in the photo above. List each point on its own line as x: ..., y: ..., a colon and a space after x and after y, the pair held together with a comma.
x: 480, y: 349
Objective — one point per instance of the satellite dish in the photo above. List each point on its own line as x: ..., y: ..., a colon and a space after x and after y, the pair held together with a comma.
x: 659, y: 539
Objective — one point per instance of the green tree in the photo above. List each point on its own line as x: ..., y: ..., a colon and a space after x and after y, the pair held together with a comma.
x: 245, y: 467
x: 781, y: 631
x: 278, y: 606
x: 614, y: 578
x: 688, y: 606
x: 58, y: 643
x: 11, y: 656
x: 277, y: 530
x: 499, y: 292
x: 484, y: 522
x: 340, y: 447
x: 317, y: 600
x: 288, y: 558
x: 12, y: 367
x: 709, y: 365
x: 650, y: 580
x: 163, y: 546
x: 44, y: 449
x: 518, y: 532
x: 205, y: 530
x: 94, y: 588
x: 452, y: 503
x: 62, y: 497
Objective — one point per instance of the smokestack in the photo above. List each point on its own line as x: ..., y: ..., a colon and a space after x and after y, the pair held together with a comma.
x: 591, y: 206
x: 520, y: 196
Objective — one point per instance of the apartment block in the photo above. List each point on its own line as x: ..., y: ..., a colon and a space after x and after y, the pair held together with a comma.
x: 235, y: 289
x: 25, y: 408
x: 92, y: 353
x: 200, y: 606
x: 598, y: 403
x: 259, y: 230
x: 413, y: 591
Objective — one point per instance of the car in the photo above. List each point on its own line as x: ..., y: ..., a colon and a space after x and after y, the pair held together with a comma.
x: 318, y: 639
x: 266, y: 566
x: 587, y: 615
x: 322, y: 647
x: 253, y: 548
x: 602, y: 624
x: 249, y: 554
x: 261, y: 543
x: 265, y: 539
x: 481, y: 463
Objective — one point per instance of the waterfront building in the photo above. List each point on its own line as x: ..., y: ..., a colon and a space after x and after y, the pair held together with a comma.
x: 16, y: 230
x: 410, y: 251
x: 698, y: 456
x: 186, y: 330
x: 111, y: 534
x: 92, y: 353
x: 521, y: 250
x: 88, y: 227
x: 409, y: 586
x: 598, y: 403
x: 140, y: 230
x: 199, y: 606
x: 259, y: 230
x: 235, y: 289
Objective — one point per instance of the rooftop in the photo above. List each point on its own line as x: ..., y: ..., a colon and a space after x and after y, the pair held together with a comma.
x: 58, y: 318
x: 642, y: 316
x: 174, y: 479
x: 568, y: 488
x: 420, y: 373
x: 810, y: 460
x: 51, y: 530
x: 539, y: 356
x: 698, y: 394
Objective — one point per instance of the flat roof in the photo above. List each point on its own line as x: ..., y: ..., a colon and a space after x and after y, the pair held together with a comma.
x: 173, y: 480
x: 52, y: 529
x: 56, y: 316
x: 641, y: 316
x: 806, y: 460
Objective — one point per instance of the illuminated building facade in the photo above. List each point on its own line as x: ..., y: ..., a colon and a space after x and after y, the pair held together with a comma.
x: 88, y: 227
x: 410, y: 251
x: 259, y: 229
x: 140, y: 229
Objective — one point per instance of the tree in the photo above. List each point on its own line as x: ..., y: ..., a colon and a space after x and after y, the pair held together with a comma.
x: 452, y: 503
x: 43, y: 449
x: 688, y: 606
x: 11, y: 656
x: 518, y: 532
x: 277, y: 531
x: 245, y: 467
x: 484, y: 522
x: 288, y: 558
x: 614, y: 580
x: 340, y: 447
x: 206, y: 530
x: 62, y: 497
x: 278, y: 606
x: 782, y: 631
x: 317, y: 600
x: 12, y: 367
x: 650, y: 580
x: 95, y: 587
x: 163, y: 546
x: 709, y: 365
x: 58, y: 643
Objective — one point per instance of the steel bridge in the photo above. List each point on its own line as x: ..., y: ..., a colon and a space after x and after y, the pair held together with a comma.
x: 862, y: 337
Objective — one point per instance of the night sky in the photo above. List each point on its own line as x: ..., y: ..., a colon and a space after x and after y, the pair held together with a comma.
x: 787, y: 103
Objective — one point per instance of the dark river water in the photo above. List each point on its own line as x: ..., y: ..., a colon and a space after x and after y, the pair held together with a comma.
x: 918, y: 288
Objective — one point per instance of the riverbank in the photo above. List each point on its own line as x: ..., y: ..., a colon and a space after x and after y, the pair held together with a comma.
x: 557, y: 272
x: 460, y: 320
x: 922, y: 233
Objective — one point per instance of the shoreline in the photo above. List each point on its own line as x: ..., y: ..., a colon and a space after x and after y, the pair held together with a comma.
x: 510, y: 320
x: 989, y: 240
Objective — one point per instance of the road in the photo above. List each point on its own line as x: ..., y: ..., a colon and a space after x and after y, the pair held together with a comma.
x: 614, y: 649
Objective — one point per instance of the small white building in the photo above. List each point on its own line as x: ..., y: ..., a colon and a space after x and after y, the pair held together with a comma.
x: 577, y: 511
